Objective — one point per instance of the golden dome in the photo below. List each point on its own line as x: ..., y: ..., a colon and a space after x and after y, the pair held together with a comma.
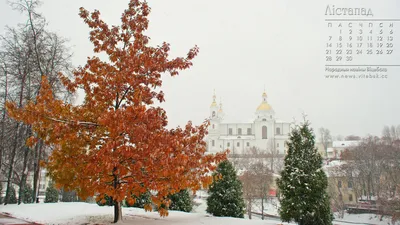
x: 264, y: 94
x: 214, y: 103
x: 264, y: 106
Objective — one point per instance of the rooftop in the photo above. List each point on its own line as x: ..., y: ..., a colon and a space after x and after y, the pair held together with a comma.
x: 344, y: 144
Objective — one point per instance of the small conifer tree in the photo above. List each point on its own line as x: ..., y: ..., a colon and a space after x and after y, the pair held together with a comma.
x: 13, y: 196
x: 105, y: 200
x: 51, y: 194
x: 27, y: 198
x: 226, y: 194
x: 303, y: 183
x: 141, y: 201
x: 181, y: 201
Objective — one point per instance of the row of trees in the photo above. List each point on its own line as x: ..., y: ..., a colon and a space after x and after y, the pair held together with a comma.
x: 257, y: 176
x: 52, y: 195
x: 27, y: 52
x: 116, y: 142
x: 302, y: 186
x: 373, y: 170
x: 180, y: 201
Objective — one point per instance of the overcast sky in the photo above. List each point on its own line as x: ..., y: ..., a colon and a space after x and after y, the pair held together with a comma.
x: 244, y: 46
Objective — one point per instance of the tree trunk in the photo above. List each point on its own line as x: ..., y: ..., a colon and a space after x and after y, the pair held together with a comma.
x: 22, y: 184
x: 23, y: 177
x: 117, y: 204
x: 249, y: 208
x: 272, y: 162
x: 3, y: 120
x: 36, y: 170
x: 117, y: 212
x: 11, y: 167
x: 262, y: 208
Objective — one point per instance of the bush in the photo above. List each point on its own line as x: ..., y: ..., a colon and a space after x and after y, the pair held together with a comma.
x: 27, y: 198
x: 105, y: 201
x: 141, y: 201
x: 69, y: 196
x: 13, y: 197
x: 181, y: 201
x: 51, y: 194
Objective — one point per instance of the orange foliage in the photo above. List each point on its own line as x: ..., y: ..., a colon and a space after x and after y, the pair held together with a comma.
x: 116, y: 143
x: 31, y: 141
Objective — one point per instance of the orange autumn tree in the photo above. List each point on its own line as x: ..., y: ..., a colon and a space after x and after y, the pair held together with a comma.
x: 116, y: 143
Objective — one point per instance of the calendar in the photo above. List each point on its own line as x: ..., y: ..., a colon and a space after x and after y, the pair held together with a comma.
x: 359, y: 44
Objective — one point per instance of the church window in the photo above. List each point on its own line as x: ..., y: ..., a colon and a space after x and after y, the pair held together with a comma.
x: 278, y: 130
x: 270, y: 116
x: 248, y: 144
x: 264, y: 119
x: 230, y: 131
x: 350, y: 197
x: 239, y: 131
x: 238, y: 144
x: 264, y: 132
x: 213, y: 126
x: 213, y: 114
x: 248, y: 131
x: 213, y: 143
x: 277, y: 145
x: 229, y: 144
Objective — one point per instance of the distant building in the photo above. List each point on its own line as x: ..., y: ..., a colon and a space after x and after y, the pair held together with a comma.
x: 264, y: 132
x: 341, y: 184
x: 338, y: 147
x: 321, y: 148
x: 43, y: 183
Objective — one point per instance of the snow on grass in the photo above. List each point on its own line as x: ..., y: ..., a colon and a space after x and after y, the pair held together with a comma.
x: 364, y: 219
x: 85, y: 213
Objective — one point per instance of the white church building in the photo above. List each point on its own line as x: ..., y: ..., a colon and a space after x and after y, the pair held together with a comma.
x: 265, y: 132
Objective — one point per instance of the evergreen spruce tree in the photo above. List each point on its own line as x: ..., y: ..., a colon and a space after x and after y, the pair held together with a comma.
x: 27, y: 198
x: 141, y: 201
x: 69, y: 196
x: 13, y: 196
x: 51, y: 194
x: 226, y: 195
x: 181, y: 201
x: 108, y: 201
x: 303, y: 183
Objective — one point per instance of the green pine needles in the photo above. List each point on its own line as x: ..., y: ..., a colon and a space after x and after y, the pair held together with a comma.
x: 226, y: 195
x: 181, y: 201
x: 51, y: 194
x: 303, y: 183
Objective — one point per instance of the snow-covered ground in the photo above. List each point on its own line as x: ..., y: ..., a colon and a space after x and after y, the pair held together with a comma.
x: 85, y: 213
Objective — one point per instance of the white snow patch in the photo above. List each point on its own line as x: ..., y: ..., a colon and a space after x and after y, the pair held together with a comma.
x: 85, y: 213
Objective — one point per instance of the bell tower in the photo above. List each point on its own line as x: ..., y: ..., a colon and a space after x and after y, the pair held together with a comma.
x: 214, y: 108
